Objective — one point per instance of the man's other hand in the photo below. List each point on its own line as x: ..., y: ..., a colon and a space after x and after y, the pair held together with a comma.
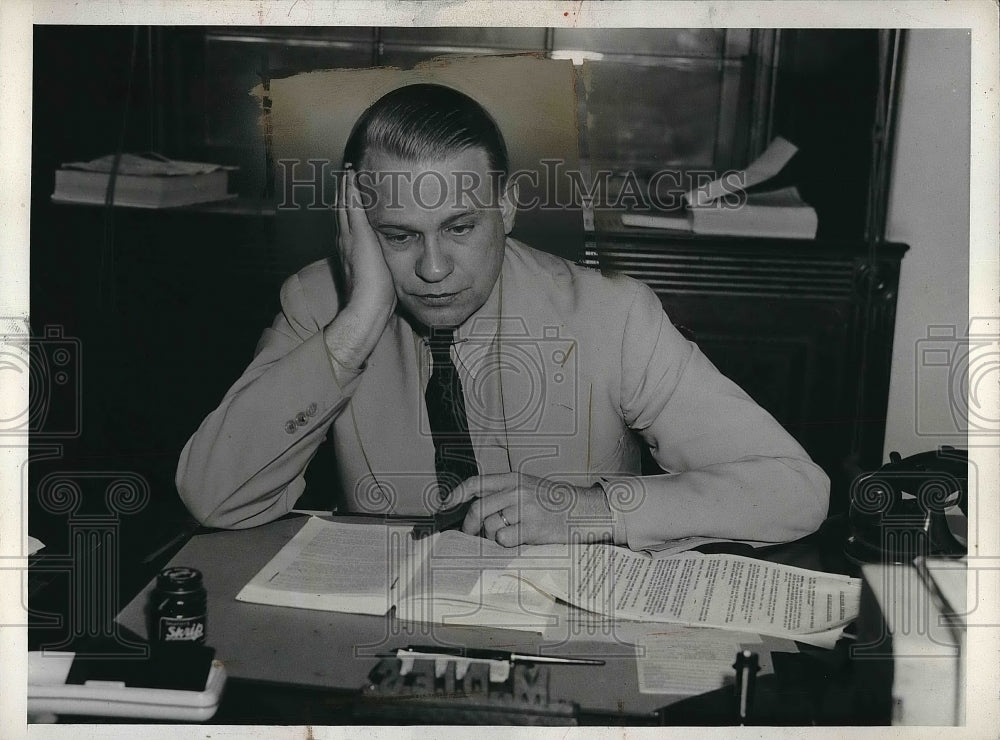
x: 516, y: 509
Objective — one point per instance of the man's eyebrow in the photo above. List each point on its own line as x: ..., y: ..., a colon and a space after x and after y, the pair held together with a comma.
x: 389, y: 224
x: 459, y: 216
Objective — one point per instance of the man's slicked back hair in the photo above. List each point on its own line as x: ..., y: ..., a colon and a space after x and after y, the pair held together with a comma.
x: 426, y: 122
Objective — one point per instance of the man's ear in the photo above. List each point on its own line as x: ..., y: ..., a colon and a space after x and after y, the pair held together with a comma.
x: 508, y: 206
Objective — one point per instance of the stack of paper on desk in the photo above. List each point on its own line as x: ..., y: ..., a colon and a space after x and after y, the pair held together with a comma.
x: 449, y: 578
x: 684, y: 660
x: 724, y: 591
x: 454, y: 578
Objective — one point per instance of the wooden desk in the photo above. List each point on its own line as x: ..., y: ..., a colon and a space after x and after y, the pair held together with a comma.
x: 331, y: 650
x: 326, y: 655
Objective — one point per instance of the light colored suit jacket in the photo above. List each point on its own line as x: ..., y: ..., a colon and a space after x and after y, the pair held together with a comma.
x: 557, y: 367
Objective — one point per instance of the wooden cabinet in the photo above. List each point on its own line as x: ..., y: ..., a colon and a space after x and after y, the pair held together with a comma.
x: 170, y: 314
x: 805, y: 327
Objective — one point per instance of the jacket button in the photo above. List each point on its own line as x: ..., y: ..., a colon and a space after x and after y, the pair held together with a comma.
x: 301, y: 419
x: 290, y: 427
x: 312, y: 409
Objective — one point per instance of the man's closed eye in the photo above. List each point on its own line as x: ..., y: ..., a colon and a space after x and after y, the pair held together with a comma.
x: 398, y: 239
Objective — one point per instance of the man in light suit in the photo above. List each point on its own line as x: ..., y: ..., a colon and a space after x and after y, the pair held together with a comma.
x: 562, y: 372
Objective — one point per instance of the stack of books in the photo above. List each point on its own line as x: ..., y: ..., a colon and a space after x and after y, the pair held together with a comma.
x: 142, y: 181
x: 743, y: 203
x: 775, y: 213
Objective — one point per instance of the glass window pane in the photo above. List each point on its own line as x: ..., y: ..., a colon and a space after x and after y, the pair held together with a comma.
x: 649, y: 117
x: 330, y: 33
x: 684, y: 42
x: 677, y: 98
x: 485, y: 38
x: 406, y: 57
x: 285, y: 59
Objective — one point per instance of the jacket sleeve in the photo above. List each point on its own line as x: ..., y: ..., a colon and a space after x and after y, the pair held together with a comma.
x: 244, y: 465
x: 734, y: 473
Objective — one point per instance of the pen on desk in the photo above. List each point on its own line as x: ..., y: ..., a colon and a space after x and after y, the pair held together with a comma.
x: 476, y: 654
x: 186, y: 532
x: 747, y: 664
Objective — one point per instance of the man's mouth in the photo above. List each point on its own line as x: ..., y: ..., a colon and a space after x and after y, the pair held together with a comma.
x: 437, y: 299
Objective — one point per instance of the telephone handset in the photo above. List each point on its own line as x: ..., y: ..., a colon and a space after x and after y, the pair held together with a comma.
x: 911, y: 506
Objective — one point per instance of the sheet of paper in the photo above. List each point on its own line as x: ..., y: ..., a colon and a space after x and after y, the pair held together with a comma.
x: 336, y: 567
x: 766, y: 166
x: 496, y: 599
x: 787, y: 197
x: 690, y: 661
x: 452, y: 562
x: 463, y: 579
x: 725, y: 591
x: 571, y: 623
x: 779, y: 644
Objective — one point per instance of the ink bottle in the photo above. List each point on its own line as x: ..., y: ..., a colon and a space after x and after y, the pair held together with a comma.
x: 178, y: 608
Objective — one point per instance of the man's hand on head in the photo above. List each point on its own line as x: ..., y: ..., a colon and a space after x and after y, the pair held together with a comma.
x: 371, y: 296
x: 516, y: 509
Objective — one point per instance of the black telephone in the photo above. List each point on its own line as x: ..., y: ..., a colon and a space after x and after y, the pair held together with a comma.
x: 899, y: 511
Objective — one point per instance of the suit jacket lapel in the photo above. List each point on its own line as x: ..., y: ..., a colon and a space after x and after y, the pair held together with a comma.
x: 389, y: 407
x: 545, y: 390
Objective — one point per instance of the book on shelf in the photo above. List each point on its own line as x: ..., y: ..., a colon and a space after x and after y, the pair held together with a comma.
x: 142, y: 181
x: 454, y: 578
x: 744, y: 203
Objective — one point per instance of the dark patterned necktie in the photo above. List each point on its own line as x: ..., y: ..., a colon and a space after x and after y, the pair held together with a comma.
x: 454, y: 458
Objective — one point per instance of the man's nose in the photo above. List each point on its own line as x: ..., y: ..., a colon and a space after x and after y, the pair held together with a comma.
x: 434, y: 264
